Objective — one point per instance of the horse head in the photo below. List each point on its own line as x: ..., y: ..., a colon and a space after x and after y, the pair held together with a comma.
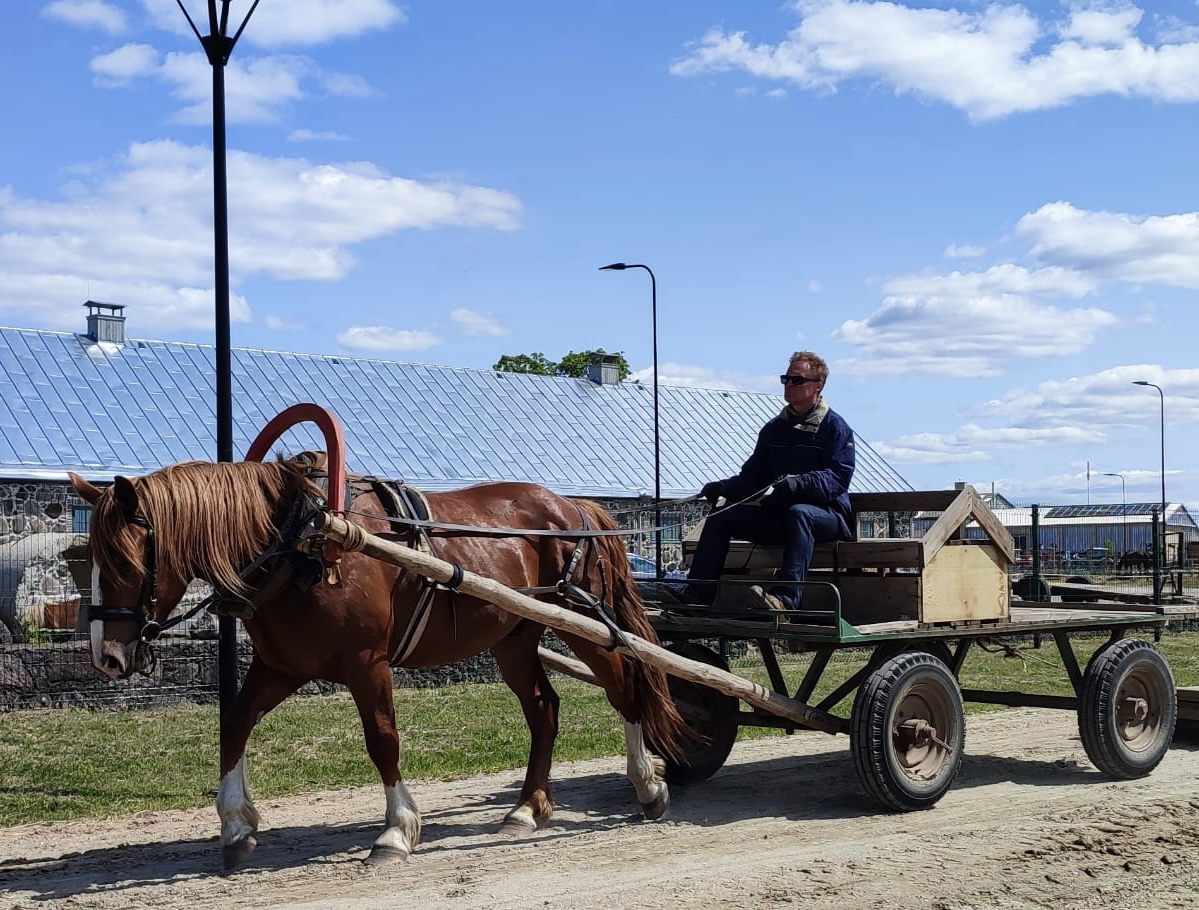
x: 132, y: 591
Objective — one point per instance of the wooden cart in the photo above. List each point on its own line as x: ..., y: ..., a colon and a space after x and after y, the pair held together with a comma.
x: 913, y: 608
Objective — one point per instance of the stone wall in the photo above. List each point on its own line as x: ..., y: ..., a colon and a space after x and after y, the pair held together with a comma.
x: 48, y: 666
x: 60, y: 674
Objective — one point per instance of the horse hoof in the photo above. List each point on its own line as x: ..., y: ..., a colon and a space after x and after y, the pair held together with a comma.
x: 517, y: 827
x: 236, y: 853
x: 385, y: 856
x: 658, y: 807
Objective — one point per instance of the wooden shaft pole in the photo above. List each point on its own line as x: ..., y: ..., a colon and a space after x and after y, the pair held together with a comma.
x: 567, y: 665
x: 561, y: 619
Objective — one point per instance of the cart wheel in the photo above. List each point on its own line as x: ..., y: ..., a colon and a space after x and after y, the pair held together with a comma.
x: 712, y: 716
x: 886, y: 650
x: 1029, y: 587
x: 908, y: 731
x: 1128, y: 709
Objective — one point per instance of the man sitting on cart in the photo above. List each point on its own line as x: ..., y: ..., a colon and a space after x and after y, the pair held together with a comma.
x: 803, y: 462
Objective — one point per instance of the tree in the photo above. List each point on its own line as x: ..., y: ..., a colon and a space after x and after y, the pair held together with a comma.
x: 573, y: 364
x: 535, y: 363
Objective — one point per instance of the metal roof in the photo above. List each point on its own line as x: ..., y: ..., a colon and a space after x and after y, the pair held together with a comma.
x: 102, y: 408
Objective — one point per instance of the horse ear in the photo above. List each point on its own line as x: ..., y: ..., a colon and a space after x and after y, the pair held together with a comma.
x: 126, y: 495
x: 89, y: 492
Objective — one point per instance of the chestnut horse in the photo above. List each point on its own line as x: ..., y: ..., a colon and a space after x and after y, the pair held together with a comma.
x: 150, y: 536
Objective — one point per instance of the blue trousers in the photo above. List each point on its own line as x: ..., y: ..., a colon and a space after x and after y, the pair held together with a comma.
x: 798, y: 528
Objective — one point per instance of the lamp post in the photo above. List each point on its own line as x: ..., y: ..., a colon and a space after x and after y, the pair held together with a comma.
x: 653, y: 287
x: 1159, y: 545
x: 1123, y: 506
x: 218, y: 46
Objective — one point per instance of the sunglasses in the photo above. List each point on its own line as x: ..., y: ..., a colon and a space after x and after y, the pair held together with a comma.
x: 796, y: 380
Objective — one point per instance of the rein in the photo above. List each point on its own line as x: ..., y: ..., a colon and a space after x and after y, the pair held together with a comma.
x: 492, y: 531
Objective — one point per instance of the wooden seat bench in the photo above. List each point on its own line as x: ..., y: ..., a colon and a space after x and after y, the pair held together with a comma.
x: 955, y: 572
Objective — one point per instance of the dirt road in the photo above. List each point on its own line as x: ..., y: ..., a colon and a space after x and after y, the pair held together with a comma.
x: 1029, y: 823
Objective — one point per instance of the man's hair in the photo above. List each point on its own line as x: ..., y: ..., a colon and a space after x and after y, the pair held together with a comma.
x: 815, y: 361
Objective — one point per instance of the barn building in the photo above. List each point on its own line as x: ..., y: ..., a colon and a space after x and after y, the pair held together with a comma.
x: 101, y: 403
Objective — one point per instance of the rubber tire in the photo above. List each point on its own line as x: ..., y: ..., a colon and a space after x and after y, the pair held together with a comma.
x: 888, y: 649
x: 910, y: 685
x: 1026, y: 587
x: 1078, y: 598
x: 1127, y: 749
x: 711, y: 714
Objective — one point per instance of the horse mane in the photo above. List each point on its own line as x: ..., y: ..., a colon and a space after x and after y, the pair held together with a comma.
x: 210, y: 519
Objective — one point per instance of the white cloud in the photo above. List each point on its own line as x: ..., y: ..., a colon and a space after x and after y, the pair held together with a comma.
x: 963, y: 251
x: 989, y: 61
x: 965, y: 334
x: 1105, y: 399
x: 382, y: 339
x: 680, y: 374
x: 928, y: 448
x: 1005, y: 278
x: 316, y: 136
x: 1136, y: 248
x: 87, y: 14
x: 139, y: 230
x: 126, y: 63
x: 294, y: 23
x: 815, y: 287
x: 257, y: 89
x: 474, y: 323
x: 279, y: 324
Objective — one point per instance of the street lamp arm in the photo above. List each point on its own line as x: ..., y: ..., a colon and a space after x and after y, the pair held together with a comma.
x: 188, y: 16
x: 653, y: 284
x: 244, y: 22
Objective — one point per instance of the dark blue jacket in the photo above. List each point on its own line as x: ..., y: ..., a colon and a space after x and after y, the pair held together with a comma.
x: 812, y: 455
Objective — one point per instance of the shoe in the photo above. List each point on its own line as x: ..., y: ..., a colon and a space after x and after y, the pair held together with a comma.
x: 765, y: 600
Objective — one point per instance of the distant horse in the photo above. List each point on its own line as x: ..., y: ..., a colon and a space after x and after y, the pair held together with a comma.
x: 152, y: 535
x: 1135, y: 560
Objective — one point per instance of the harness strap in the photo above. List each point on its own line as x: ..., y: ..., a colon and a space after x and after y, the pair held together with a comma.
x: 577, y: 596
x: 494, y: 531
x: 407, y: 502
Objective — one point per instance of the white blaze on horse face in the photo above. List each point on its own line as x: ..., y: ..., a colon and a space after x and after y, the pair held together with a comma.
x: 96, y: 626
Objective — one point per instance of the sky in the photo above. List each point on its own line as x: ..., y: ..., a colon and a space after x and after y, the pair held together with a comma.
x: 983, y: 215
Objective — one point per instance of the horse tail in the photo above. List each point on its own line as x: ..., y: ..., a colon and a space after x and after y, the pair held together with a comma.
x: 656, y: 709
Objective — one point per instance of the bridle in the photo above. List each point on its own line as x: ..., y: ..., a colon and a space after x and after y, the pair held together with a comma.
x: 147, y: 605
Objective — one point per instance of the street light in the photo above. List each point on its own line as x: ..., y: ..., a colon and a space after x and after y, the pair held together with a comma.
x: 218, y: 46
x: 1160, y: 545
x: 653, y: 286
x: 1123, y: 506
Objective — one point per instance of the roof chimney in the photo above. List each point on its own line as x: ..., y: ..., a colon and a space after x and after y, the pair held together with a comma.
x: 604, y: 369
x: 105, y: 322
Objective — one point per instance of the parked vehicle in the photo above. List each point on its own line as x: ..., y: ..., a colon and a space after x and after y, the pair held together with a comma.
x: 647, y: 568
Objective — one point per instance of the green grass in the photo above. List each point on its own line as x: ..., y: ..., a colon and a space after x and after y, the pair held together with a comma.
x: 73, y: 763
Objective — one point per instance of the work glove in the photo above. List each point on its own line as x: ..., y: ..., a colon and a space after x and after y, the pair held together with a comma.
x: 782, y: 493
x: 786, y: 486
x: 712, y: 491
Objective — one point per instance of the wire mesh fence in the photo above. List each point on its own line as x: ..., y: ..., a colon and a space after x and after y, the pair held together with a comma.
x: 45, y: 655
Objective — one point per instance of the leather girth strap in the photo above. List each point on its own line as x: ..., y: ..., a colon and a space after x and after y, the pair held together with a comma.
x: 404, y: 502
